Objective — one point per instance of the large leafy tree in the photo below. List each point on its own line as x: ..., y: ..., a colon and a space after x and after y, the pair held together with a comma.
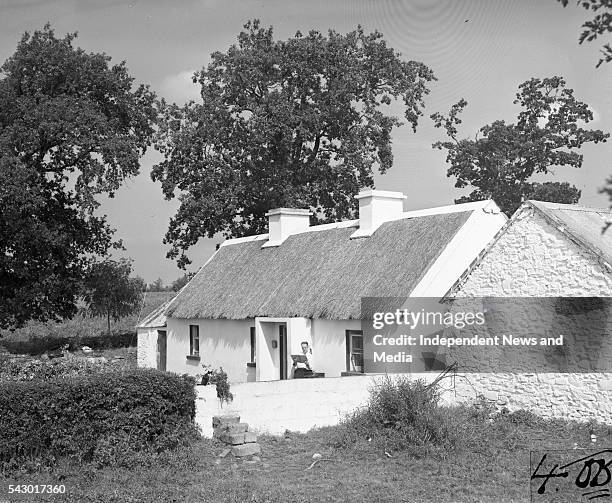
x: 111, y: 292
x: 599, y: 26
x: 501, y: 160
x: 301, y: 123
x: 71, y: 127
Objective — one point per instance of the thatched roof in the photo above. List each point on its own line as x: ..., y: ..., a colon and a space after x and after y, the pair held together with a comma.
x: 156, y: 318
x: 584, y: 225
x: 320, y: 274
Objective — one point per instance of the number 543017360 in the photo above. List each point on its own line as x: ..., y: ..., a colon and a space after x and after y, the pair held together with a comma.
x: 36, y: 488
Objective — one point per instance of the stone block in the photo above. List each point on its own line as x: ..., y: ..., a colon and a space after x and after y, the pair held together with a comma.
x: 605, y: 385
x: 235, y: 427
x: 250, y: 437
x: 232, y: 438
x: 490, y: 395
x: 246, y: 450
x: 227, y: 419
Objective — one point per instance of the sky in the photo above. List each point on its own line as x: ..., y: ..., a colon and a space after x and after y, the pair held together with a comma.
x: 480, y: 50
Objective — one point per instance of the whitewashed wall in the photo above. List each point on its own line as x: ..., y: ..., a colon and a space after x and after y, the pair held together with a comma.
x: 302, y: 404
x: 535, y: 259
x: 329, y: 345
x: 223, y: 343
x: 275, y: 406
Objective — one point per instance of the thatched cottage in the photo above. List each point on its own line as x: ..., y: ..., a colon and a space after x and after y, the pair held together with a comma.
x: 250, y: 307
x: 546, y: 250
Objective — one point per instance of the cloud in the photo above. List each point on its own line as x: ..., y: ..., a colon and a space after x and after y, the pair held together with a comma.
x: 179, y: 88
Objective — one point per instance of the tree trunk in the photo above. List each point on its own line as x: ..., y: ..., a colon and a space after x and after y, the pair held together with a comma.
x: 108, y: 321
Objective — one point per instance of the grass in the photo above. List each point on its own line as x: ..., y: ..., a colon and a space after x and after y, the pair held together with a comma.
x: 82, y: 324
x: 494, y: 469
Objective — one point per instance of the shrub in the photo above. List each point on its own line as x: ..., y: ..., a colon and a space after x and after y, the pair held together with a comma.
x: 25, y: 369
x: 219, y: 378
x: 37, y: 345
x: 403, y: 414
x: 104, y: 416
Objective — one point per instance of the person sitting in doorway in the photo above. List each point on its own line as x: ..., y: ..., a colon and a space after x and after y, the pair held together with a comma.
x: 302, y: 364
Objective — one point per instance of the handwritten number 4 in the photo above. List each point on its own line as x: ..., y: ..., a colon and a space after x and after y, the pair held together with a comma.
x: 546, y: 477
x: 585, y: 478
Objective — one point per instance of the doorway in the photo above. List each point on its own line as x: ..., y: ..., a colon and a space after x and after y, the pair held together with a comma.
x: 162, y: 346
x: 282, y: 346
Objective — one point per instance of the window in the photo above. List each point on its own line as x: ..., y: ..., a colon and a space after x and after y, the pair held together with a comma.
x: 354, y: 351
x: 194, y: 340
x: 252, y: 344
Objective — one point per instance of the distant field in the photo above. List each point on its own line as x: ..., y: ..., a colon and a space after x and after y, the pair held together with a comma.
x: 82, y: 325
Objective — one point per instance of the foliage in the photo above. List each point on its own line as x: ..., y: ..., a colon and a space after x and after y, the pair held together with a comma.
x: 111, y: 292
x: 500, y: 164
x: 31, y: 369
x: 298, y: 123
x: 218, y: 377
x: 401, y: 414
x: 158, y: 286
x: 94, y: 417
x: 182, y: 281
x: 71, y: 128
x: 37, y: 345
x: 599, y: 25
x: 82, y: 328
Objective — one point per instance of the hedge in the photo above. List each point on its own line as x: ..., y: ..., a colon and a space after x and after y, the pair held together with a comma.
x: 37, y: 345
x: 95, y: 417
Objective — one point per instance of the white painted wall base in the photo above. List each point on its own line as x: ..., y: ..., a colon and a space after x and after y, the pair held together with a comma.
x: 302, y: 404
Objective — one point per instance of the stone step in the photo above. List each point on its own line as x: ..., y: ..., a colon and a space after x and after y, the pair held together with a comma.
x: 226, y: 419
x: 246, y: 450
x: 232, y: 438
x: 233, y: 427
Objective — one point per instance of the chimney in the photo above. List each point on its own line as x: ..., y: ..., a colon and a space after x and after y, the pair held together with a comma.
x: 377, y: 207
x: 283, y: 222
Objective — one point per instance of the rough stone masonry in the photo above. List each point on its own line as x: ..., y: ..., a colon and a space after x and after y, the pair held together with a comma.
x: 229, y: 430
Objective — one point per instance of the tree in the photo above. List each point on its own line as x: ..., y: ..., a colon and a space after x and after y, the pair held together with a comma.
x: 181, y: 282
x: 111, y: 292
x: 72, y: 127
x: 599, y: 25
x: 300, y: 123
x: 157, y: 286
x: 499, y: 164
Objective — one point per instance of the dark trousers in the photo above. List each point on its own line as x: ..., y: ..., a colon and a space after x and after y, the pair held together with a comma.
x: 300, y: 372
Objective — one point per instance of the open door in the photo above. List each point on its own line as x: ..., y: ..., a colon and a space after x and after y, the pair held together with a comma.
x: 282, y: 346
x: 162, y: 346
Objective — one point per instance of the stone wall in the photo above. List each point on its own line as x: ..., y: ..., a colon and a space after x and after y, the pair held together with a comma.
x: 147, y: 347
x: 535, y: 259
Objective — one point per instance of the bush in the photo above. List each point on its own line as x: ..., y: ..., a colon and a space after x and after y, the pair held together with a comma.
x: 37, y: 345
x: 105, y: 417
x: 403, y: 414
x: 28, y: 370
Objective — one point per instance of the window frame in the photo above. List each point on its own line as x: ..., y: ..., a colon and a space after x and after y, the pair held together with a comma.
x: 253, y: 345
x: 194, y: 336
x: 350, y: 353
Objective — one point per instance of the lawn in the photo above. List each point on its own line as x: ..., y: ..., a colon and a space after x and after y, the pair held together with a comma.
x: 497, y: 469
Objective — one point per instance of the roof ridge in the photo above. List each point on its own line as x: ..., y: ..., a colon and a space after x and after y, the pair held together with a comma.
x: 571, y: 207
x: 342, y: 224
